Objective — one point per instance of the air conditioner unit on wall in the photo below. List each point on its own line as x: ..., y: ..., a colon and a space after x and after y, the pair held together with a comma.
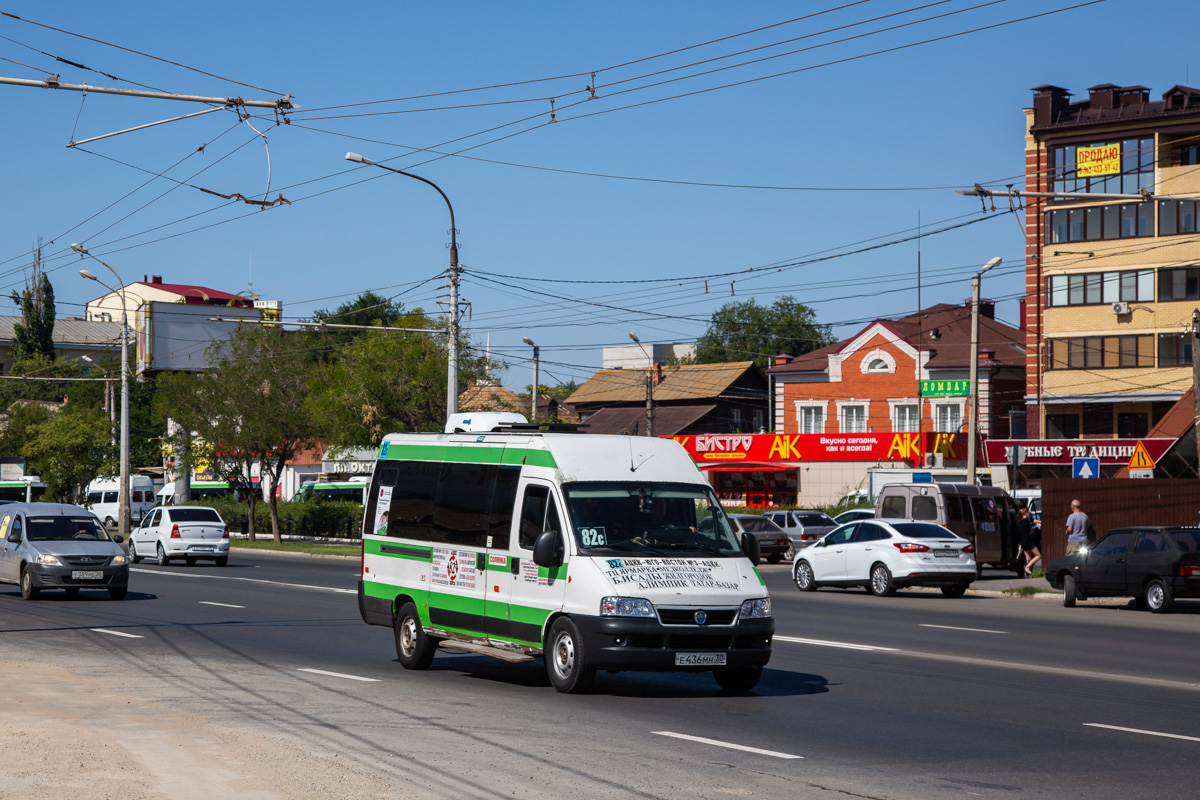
x: 934, y: 460
x: 1120, y: 308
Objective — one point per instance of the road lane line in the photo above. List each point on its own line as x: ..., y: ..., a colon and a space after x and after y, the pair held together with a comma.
x: 956, y: 628
x: 340, y: 675
x: 247, y: 580
x: 117, y: 633
x: 1139, y: 730
x: 222, y: 605
x: 823, y: 643
x: 730, y: 745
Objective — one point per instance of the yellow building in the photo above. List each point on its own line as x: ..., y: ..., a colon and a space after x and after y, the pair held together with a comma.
x: 1113, y: 268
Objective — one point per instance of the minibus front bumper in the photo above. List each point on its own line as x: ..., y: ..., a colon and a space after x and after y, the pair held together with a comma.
x: 634, y: 643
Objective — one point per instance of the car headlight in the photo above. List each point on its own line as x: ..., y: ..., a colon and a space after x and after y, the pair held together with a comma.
x: 752, y: 609
x: 626, y: 607
x: 118, y: 560
x: 43, y: 558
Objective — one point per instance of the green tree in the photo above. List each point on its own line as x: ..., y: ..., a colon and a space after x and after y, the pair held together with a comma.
x: 249, y: 407
x: 368, y: 308
x: 746, y: 331
x: 69, y: 449
x: 33, y: 336
x: 557, y: 390
x: 19, y: 427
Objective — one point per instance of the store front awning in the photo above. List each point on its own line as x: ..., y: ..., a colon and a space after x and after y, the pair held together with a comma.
x: 750, y: 466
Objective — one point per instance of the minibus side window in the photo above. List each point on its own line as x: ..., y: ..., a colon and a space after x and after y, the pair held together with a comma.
x: 385, y: 475
x: 411, y: 513
x: 924, y: 507
x: 533, y: 514
x: 463, y: 502
x: 504, y: 501
x: 956, y: 509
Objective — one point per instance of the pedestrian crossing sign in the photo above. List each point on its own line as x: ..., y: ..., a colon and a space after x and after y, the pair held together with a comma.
x: 1140, y: 458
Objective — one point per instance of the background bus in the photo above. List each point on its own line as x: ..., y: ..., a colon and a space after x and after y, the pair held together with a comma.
x: 27, y: 489
x: 354, y: 490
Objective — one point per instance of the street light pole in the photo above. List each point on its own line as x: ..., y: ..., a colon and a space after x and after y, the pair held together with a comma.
x: 533, y: 407
x: 123, y: 494
x: 452, y: 367
x: 649, y: 385
x: 973, y: 426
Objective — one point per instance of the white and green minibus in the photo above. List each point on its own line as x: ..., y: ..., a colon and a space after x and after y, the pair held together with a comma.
x: 587, y: 550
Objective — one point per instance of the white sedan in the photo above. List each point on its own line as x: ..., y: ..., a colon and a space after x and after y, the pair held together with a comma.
x: 187, y: 533
x: 885, y: 555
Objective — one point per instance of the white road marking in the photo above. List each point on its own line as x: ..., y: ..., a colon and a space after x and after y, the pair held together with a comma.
x: 730, y: 745
x: 117, y: 633
x: 1138, y: 730
x: 340, y: 675
x: 222, y: 605
x: 956, y: 628
x: 247, y: 580
x: 823, y: 643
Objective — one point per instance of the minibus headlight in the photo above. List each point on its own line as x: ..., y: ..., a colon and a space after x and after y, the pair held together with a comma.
x: 752, y: 609
x: 626, y: 607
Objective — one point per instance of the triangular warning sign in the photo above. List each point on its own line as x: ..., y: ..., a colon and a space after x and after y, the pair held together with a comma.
x: 1140, y: 458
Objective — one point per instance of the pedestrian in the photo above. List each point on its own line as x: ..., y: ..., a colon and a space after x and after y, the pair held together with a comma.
x: 1077, y: 528
x: 1031, y: 540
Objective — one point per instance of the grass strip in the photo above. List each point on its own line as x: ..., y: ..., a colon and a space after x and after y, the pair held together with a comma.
x: 1028, y: 591
x: 297, y: 547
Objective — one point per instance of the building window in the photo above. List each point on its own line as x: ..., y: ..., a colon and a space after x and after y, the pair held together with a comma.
x: 758, y: 420
x: 1062, y: 426
x: 1136, y: 169
x: 1189, y: 155
x: 1174, y: 349
x: 905, y: 418
x: 811, y: 418
x: 1099, y: 288
x: 1176, y: 216
x: 1132, y: 426
x: 877, y: 361
x: 737, y: 420
x: 947, y: 417
x: 853, y: 419
x: 1123, y: 221
x: 1100, y: 352
x: 1179, y: 284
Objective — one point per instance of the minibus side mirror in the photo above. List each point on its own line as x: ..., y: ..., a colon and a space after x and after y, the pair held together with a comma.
x: 750, y: 548
x: 547, y: 549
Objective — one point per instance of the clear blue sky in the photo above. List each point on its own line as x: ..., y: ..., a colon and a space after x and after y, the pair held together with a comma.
x: 941, y: 114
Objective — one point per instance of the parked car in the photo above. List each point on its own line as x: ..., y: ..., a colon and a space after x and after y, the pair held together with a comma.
x: 803, y: 527
x: 885, y: 555
x: 986, y: 516
x: 773, y: 541
x: 854, y: 515
x: 191, y: 533
x: 1152, y: 565
x: 59, y: 546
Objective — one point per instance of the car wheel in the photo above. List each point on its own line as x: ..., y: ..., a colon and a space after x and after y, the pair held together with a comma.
x: 1159, y: 597
x: 738, y: 680
x: 1069, y: 591
x: 955, y: 590
x: 191, y: 562
x: 72, y: 592
x: 162, y: 556
x: 222, y: 561
x: 134, y: 558
x: 803, y: 575
x: 28, y: 590
x: 978, y: 571
x: 118, y: 592
x: 790, y: 553
x: 881, y: 581
x: 110, y: 523
x: 566, y: 659
x: 774, y: 558
x: 413, y: 647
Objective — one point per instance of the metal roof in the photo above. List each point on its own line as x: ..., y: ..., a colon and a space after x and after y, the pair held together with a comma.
x: 68, y: 332
x: 688, y: 382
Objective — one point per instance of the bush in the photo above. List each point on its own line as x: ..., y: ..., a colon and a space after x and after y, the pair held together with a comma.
x: 333, y: 518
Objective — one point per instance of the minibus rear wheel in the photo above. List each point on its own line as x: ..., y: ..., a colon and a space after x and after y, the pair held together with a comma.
x: 566, y: 658
x: 413, y: 647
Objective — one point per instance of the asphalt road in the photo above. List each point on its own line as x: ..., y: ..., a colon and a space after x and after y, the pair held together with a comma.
x: 914, y: 696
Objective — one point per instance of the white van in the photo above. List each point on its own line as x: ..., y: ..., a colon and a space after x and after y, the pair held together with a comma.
x: 584, y: 549
x: 200, y: 490
x: 103, y: 495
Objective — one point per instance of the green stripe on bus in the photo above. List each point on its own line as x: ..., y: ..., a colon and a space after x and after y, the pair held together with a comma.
x: 553, y: 573
x: 466, y: 453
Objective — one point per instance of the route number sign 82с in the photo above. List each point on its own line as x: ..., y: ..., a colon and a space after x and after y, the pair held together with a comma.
x: 593, y: 537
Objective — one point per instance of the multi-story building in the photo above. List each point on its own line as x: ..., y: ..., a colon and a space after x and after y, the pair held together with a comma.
x: 1112, y: 259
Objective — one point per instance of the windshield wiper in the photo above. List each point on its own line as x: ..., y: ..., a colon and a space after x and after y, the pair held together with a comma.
x: 694, y: 546
x: 629, y: 545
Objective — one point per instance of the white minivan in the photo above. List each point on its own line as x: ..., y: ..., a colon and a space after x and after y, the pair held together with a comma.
x: 586, y: 550
x: 103, y: 498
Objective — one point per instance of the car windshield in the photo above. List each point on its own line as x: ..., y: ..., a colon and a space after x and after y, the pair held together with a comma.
x: 676, y: 519
x: 194, y: 515
x: 922, y: 530
x: 1188, y: 541
x: 47, y: 529
x: 815, y: 519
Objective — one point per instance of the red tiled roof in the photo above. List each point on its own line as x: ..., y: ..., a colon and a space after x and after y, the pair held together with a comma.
x: 196, y: 294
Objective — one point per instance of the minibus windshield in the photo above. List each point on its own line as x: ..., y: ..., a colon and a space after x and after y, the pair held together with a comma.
x: 653, y: 519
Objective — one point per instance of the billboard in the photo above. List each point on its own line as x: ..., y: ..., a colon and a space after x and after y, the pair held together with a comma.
x: 176, y: 336
x: 1102, y: 160
x: 1063, y: 452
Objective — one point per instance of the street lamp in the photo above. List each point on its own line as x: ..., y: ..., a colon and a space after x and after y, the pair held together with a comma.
x: 452, y: 371
x: 109, y: 405
x: 649, y: 385
x: 123, y: 495
x: 533, y: 408
x: 973, y: 425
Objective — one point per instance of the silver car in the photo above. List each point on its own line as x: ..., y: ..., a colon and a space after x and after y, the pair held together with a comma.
x: 803, y: 526
x: 58, y: 546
